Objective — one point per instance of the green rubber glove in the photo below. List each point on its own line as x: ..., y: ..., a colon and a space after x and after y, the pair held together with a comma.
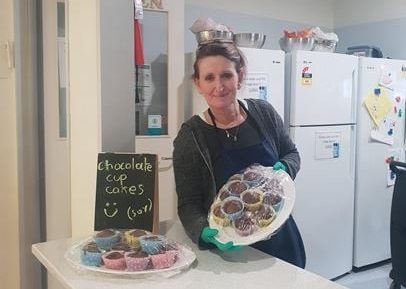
x: 279, y: 166
x: 207, y: 236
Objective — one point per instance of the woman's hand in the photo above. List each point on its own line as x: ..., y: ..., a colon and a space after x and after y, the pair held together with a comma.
x: 279, y: 166
x: 207, y: 236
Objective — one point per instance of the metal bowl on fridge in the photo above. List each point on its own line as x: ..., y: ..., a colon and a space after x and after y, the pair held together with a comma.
x: 250, y: 40
x: 207, y: 36
x: 292, y: 44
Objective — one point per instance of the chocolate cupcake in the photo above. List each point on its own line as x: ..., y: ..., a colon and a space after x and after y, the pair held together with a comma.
x: 235, y: 177
x: 137, y: 260
x: 273, y: 185
x: 106, y: 239
x: 272, y: 199
x: 245, y: 225
x: 165, y: 258
x: 132, y: 237
x: 114, y: 260
x: 252, y: 199
x: 253, y: 177
x: 264, y: 215
x: 223, y: 193
x: 91, y: 255
x: 235, y: 188
x: 218, y: 216
x: 152, y: 244
x: 232, y: 207
x: 121, y: 247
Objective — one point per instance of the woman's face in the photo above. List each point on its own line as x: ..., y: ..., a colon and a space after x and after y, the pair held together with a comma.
x: 218, y: 81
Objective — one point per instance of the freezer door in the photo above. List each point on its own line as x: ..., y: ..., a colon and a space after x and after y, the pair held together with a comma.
x: 322, y: 88
x: 373, y: 196
x: 325, y: 197
x: 265, y: 76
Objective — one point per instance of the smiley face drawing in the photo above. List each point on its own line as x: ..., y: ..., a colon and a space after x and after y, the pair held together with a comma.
x: 110, y: 210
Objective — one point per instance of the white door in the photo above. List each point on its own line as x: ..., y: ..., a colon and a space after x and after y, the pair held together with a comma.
x: 56, y: 128
x: 373, y: 194
x: 325, y: 197
x: 322, y: 88
x: 162, y: 143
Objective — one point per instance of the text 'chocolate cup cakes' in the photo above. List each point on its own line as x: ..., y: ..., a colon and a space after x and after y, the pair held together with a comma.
x: 91, y: 255
x: 232, y: 207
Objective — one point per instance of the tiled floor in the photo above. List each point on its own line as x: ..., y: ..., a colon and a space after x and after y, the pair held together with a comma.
x: 375, y: 278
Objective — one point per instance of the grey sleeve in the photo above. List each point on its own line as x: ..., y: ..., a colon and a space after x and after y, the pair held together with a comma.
x: 288, y: 153
x: 187, y: 165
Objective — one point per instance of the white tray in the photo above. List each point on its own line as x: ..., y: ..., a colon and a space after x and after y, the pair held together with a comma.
x: 185, y: 258
x: 228, y: 233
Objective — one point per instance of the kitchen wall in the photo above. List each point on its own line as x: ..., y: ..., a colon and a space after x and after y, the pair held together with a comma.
x: 381, y: 23
x: 268, y: 17
x: 361, y: 22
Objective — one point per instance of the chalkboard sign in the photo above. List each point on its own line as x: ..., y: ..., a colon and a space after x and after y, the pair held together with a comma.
x: 126, y: 191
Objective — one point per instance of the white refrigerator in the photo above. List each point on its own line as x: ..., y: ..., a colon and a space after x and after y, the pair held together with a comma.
x: 380, y: 136
x: 265, y: 79
x: 320, y: 109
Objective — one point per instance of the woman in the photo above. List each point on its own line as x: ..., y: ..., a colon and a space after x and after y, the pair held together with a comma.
x: 226, y: 138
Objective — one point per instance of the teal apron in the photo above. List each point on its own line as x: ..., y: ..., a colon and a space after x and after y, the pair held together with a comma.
x: 286, y: 243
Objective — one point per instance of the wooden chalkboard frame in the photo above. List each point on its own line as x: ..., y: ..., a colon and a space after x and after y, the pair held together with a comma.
x: 127, y: 190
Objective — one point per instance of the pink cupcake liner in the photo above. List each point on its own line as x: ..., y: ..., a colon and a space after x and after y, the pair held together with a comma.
x: 164, y: 259
x: 115, y: 264
x: 137, y: 264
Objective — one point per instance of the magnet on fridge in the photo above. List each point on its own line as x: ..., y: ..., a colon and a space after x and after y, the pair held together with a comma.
x: 263, y: 92
x: 390, y: 132
x: 400, y: 112
x: 397, y: 98
x: 336, y: 150
x: 377, y: 91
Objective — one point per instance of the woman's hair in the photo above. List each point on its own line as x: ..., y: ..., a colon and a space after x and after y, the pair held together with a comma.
x: 225, y: 49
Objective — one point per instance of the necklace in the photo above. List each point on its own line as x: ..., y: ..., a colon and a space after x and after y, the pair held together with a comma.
x: 233, y: 136
x: 230, y: 135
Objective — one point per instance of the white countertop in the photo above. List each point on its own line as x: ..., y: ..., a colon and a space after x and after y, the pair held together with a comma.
x: 247, y: 268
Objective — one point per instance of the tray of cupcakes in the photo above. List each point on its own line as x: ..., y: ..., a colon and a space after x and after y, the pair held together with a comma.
x: 252, y: 205
x: 129, y: 252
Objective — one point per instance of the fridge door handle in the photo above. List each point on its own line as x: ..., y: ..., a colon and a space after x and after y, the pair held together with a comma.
x: 354, y: 95
x: 353, y: 151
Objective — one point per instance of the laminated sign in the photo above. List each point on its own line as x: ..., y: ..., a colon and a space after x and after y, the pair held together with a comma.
x: 126, y: 191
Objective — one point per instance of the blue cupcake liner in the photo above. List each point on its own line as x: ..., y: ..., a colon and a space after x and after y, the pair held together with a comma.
x: 152, y: 246
x: 90, y: 258
x: 106, y: 243
x: 235, y: 215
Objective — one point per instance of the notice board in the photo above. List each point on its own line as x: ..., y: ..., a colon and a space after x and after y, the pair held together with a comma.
x: 126, y: 192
